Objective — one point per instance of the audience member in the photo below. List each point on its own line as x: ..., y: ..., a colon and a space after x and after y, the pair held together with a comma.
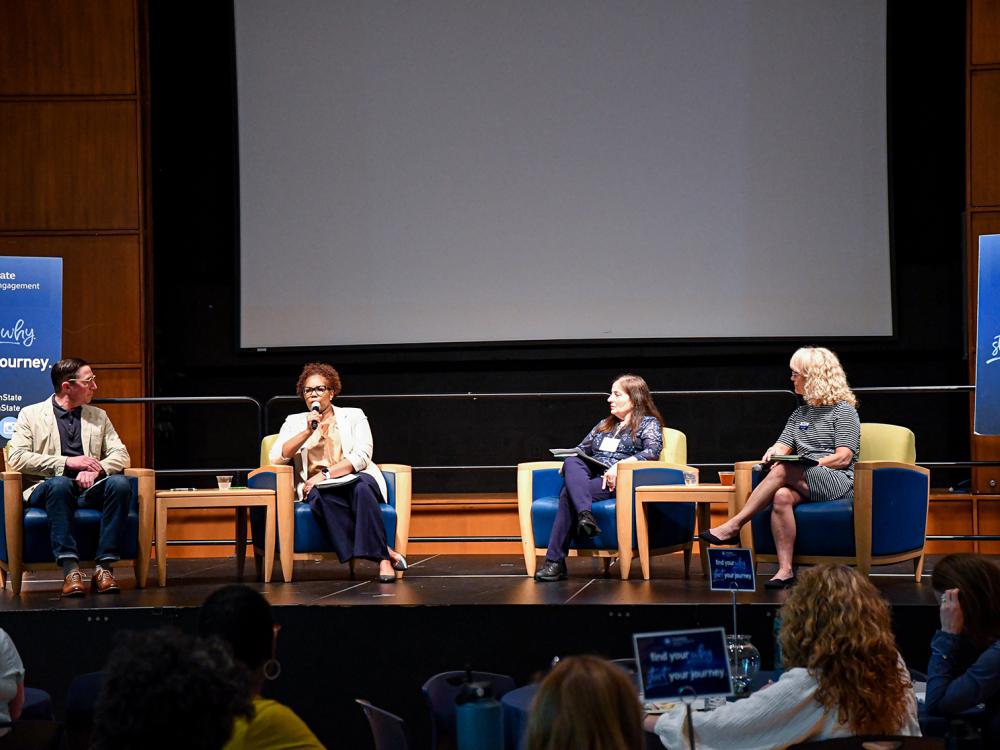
x: 11, y: 682
x: 166, y: 690
x: 241, y: 619
x: 964, y: 668
x: 585, y: 703
x: 843, y: 675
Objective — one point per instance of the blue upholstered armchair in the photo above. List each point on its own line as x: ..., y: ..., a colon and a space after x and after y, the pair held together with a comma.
x: 24, y: 532
x: 671, y: 526
x: 885, y: 522
x: 300, y: 537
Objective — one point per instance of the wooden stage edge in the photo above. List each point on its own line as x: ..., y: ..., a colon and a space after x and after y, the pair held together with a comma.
x: 495, y: 514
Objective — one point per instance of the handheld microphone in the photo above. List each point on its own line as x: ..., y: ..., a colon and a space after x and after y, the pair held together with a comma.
x: 314, y: 423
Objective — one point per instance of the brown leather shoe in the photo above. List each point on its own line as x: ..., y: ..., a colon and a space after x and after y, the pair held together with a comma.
x: 73, y: 584
x: 103, y: 582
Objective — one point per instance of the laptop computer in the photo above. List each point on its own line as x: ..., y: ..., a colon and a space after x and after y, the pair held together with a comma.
x: 678, y: 665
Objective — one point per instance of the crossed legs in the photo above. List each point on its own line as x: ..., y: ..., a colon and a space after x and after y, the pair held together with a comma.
x: 783, y: 487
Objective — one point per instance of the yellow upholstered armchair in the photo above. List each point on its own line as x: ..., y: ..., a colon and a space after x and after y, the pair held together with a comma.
x: 300, y: 537
x: 671, y: 526
x: 24, y: 532
x: 885, y: 523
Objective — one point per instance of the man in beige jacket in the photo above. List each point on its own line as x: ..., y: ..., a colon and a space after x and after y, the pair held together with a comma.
x: 71, y: 457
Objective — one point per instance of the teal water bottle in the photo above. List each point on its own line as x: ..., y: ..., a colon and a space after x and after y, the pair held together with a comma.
x: 478, y: 718
x: 777, y: 647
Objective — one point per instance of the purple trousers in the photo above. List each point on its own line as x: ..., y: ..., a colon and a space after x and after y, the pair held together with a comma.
x: 582, y: 487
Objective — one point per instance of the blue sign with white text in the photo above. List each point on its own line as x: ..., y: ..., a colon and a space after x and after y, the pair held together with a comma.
x: 682, y: 663
x: 30, y: 333
x: 731, y: 569
x: 987, y: 420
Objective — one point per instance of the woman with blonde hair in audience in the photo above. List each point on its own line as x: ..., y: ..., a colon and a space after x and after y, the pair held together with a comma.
x: 843, y: 675
x: 585, y: 703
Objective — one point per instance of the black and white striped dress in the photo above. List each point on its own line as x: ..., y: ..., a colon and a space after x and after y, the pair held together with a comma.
x: 816, y: 432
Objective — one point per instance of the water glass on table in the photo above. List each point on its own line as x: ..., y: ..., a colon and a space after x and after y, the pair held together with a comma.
x: 225, y: 481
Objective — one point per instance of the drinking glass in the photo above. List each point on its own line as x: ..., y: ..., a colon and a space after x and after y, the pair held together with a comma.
x: 690, y: 478
x: 225, y: 481
x: 744, y: 661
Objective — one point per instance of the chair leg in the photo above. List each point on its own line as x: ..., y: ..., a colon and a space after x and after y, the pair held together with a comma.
x: 687, y: 561
x: 350, y: 564
x: 3, y: 579
x: 607, y: 566
x: 258, y: 562
x: 241, y: 541
x: 15, y: 579
x: 918, y: 566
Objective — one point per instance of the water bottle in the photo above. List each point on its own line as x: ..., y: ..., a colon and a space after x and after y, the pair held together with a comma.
x: 478, y: 718
x: 777, y: 647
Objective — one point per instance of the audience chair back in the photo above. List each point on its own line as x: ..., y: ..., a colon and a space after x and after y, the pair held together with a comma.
x: 300, y: 536
x: 388, y: 730
x: 81, y: 700
x: 442, y: 689
x: 40, y: 734
x: 873, y: 742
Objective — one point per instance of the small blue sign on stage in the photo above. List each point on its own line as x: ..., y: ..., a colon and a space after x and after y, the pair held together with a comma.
x: 30, y: 333
x: 987, y: 420
x: 682, y: 664
x: 731, y: 569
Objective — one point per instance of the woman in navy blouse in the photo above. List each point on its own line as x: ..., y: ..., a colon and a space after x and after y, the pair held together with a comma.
x: 633, y: 431
x: 964, y: 669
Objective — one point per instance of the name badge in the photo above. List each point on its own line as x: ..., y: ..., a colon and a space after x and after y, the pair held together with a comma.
x: 609, y: 445
x: 803, y: 426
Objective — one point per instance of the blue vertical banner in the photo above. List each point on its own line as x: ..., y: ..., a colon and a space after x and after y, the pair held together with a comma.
x: 987, y: 420
x: 30, y: 333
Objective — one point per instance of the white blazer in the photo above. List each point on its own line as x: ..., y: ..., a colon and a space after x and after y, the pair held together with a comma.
x: 355, y: 441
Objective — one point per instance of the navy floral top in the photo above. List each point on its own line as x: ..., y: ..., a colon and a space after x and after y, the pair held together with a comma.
x: 647, y: 445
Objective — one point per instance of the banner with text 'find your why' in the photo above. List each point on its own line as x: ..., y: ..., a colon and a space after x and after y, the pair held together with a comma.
x: 30, y: 333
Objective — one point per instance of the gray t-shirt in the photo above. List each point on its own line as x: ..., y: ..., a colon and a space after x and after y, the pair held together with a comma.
x: 11, y: 675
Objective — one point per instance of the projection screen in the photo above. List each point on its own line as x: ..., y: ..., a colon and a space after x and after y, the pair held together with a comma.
x: 531, y: 170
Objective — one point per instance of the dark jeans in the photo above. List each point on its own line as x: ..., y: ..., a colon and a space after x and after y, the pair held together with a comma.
x: 352, y: 518
x: 61, y: 496
x: 582, y: 487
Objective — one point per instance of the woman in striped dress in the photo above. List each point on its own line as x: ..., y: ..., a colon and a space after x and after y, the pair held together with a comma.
x: 825, y: 429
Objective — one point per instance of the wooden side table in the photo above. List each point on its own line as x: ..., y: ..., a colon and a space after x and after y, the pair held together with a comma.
x: 703, y: 495
x: 241, y: 500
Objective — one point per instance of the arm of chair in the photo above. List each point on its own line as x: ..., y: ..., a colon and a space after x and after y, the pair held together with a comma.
x: 623, y: 504
x: 147, y: 513
x: 866, y: 503
x: 525, y: 495
x: 13, y: 512
x: 404, y: 498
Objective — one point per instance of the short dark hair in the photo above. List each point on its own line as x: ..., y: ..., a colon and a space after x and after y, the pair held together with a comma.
x: 330, y: 375
x: 65, y: 369
x: 241, y: 618
x: 165, y: 689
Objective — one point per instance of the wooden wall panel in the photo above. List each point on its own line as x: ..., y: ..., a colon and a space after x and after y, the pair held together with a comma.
x: 54, y: 47
x: 984, y: 42
x: 128, y: 419
x: 69, y: 165
x: 984, y: 138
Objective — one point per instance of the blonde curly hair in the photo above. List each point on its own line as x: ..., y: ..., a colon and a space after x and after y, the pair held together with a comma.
x: 825, y: 381
x: 836, y: 625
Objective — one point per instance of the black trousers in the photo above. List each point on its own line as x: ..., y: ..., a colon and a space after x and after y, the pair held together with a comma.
x: 352, y: 518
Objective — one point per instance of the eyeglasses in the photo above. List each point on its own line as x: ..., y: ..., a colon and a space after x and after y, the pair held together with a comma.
x: 796, y: 374
x: 319, y: 390
x: 86, y: 382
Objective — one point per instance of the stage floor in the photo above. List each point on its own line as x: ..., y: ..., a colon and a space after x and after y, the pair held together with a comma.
x: 439, y: 580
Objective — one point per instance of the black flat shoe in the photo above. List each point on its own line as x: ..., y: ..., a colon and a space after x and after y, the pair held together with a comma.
x: 781, y: 583
x: 586, y: 525
x: 552, y: 571
x: 708, y: 536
